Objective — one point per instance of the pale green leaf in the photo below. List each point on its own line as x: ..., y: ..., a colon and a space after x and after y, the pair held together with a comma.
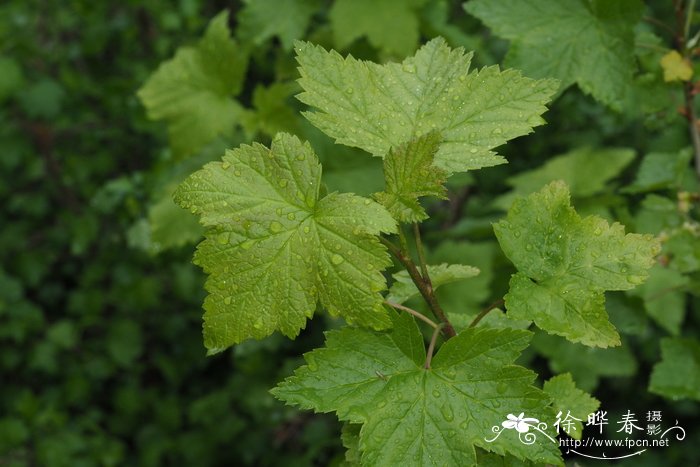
x: 587, y: 42
x: 565, y: 264
x: 587, y: 171
x: 170, y: 225
x: 193, y: 92
x: 273, y: 248
x: 390, y: 25
x: 377, y: 107
x: 259, y: 20
x: 568, y: 399
x: 417, y: 416
x: 676, y: 67
x: 677, y: 375
x: 664, y: 297
x: 586, y: 364
x: 410, y: 174
x: 660, y: 170
x: 403, y: 287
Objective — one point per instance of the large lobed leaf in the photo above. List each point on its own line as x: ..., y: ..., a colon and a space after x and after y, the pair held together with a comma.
x: 273, y: 247
x: 193, y: 91
x: 566, y: 263
x: 588, y: 42
x: 377, y: 107
x: 417, y: 416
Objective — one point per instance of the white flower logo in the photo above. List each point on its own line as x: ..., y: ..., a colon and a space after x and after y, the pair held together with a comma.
x: 520, y: 423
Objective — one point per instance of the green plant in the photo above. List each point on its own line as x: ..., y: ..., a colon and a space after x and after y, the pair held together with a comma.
x: 276, y: 244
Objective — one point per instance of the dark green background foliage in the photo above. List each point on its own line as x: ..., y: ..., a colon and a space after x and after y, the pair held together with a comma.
x: 101, y: 355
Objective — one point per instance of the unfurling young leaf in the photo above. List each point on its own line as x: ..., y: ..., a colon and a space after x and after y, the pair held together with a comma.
x: 403, y: 287
x: 566, y: 263
x: 194, y: 91
x: 409, y: 173
x: 378, y: 107
x: 273, y: 247
x: 419, y: 416
x: 587, y: 42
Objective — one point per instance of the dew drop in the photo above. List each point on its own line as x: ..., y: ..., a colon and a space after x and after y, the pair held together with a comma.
x: 436, y: 393
x: 227, y: 300
x: 225, y: 165
x: 473, y: 150
x: 337, y: 259
x: 283, y: 183
x: 275, y: 226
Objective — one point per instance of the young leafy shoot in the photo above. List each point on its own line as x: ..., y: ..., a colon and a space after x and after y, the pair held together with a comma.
x: 379, y: 107
x: 409, y: 174
x: 599, y: 57
x: 273, y: 248
x: 417, y: 416
x: 404, y: 288
x: 193, y: 91
x: 566, y: 263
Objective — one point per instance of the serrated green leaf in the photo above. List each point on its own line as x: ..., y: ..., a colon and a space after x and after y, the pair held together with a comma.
x: 586, y: 171
x: 403, y: 287
x: 417, y: 416
x: 273, y: 248
x: 587, y: 42
x: 660, y: 170
x: 586, y: 364
x: 664, y: 297
x: 677, y: 375
x: 410, y: 174
x: 259, y: 20
x: 392, y: 25
x: 272, y: 113
x: 568, y: 399
x: 377, y: 107
x: 193, y: 91
x: 350, y: 436
x: 565, y: 264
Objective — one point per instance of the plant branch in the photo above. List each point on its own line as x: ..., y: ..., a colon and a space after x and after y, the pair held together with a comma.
x: 688, y: 18
x: 681, y: 37
x: 413, y: 312
x: 485, y: 312
x: 660, y: 24
x: 421, y: 256
x: 426, y: 292
x: 431, y: 347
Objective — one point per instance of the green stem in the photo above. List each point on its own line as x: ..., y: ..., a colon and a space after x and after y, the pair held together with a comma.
x: 426, y: 292
x: 683, y: 27
x: 431, y: 347
x: 413, y: 312
x: 421, y: 255
x: 688, y: 18
x: 485, y: 312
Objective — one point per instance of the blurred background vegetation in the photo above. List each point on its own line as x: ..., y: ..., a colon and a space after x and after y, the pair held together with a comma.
x: 101, y: 355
